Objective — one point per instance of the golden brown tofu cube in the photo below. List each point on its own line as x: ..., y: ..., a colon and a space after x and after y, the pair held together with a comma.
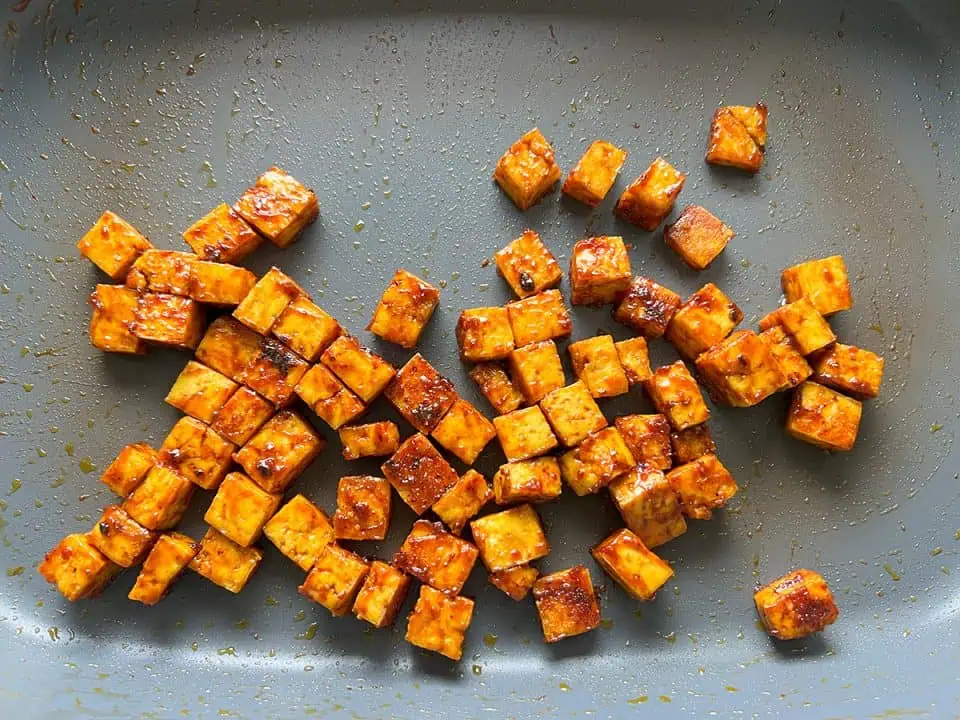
x: 692, y: 443
x: 464, y: 431
x: 697, y: 236
x: 200, y: 392
x: 702, y: 485
x: 509, y: 538
x: 421, y: 394
x: 364, y: 372
x: 705, y: 319
x: 803, y: 323
x: 419, y: 473
x: 738, y: 136
x: 306, y: 329
x: 597, y: 461
x: 169, y: 557
x: 169, y: 320
x: 497, y: 387
x: 484, y: 334
x: 539, y: 317
x: 796, y: 605
x: 241, y: 508
x: 435, y: 557
x: 536, y: 369
x: 282, y: 449
x: 527, y: 171
x: 793, y: 366
x: 572, y: 413
x: 159, y: 502
x: 649, y: 198
x: 121, y: 538
x: 635, y: 359
x: 129, y: 468
x: 275, y: 372
x: 439, y: 622
x: 113, y: 320
x: 382, y: 595
x: 300, y: 530
x: 222, y: 236
x: 335, y: 579
x: 599, y: 270
x: 515, y: 582
x: 648, y: 505
x: 824, y: 417
x: 113, y: 245
x: 463, y: 501
x: 77, y: 568
x: 628, y: 561
x: 524, y: 434
x: 527, y: 265
x: 195, y: 451
x: 566, y: 603
x: 228, y: 347
x: 647, y: 307
x: 676, y: 395
x: 278, y: 206
x: 241, y: 416
x: 595, y: 172
x: 534, y: 481
x: 221, y: 561
x: 370, y: 440
x: 597, y: 363
x: 266, y: 301
x: 850, y: 369
x: 220, y: 284
x: 741, y: 370
x: 648, y: 438
x: 328, y: 397
x: 823, y: 282
x: 404, y: 309
x: 754, y: 119
x: 163, y: 271
x: 363, y: 508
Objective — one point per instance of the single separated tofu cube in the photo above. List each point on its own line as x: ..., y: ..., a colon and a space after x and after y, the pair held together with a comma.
x: 200, y: 392
x: 222, y: 236
x: 536, y: 480
x: 195, y: 451
x: 649, y: 198
x: 370, y: 440
x: 676, y: 395
x: 228, y: 347
x: 850, y: 369
x: 113, y: 245
x: 404, y: 309
x: 267, y: 300
x: 328, y: 397
x: 536, y: 369
x: 382, y: 595
x: 596, y: 462
x: 282, y: 449
x: 421, y: 394
x: 163, y: 271
x: 335, y: 579
x: 275, y: 371
x: 169, y: 320
x: 647, y: 307
x: 524, y: 434
x: 648, y: 505
x: 419, y: 473
x: 628, y: 561
x: 241, y: 508
x: 129, y: 468
x: 702, y: 485
x: 436, y: 557
x: 539, y: 317
x: 241, y: 416
x: 221, y: 561
x: 300, y: 530
x: 697, y: 236
x: 566, y: 603
x: 77, y: 568
x: 692, y: 443
x: 439, y: 622
x: 220, y: 284
x: 306, y: 329
x: 704, y: 320
x: 599, y: 270
x: 648, y: 438
x: 113, y: 320
x: 463, y: 501
x: 783, y: 348
x: 741, y: 370
x: 572, y: 413
x: 120, y: 538
x: 159, y: 502
x: 515, y: 582
x: 595, y: 172
x: 803, y: 323
x: 363, y: 508
x: 824, y: 417
x: 738, y: 136
x: 823, y: 282
x: 527, y: 265
x: 484, y: 334
x: 527, y: 171
x: 464, y: 431
x: 169, y: 557
x: 597, y: 363
x: 364, y: 372
x: 278, y: 206
x: 510, y: 538
x: 635, y: 359
x: 497, y: 387
x: 796, y: 605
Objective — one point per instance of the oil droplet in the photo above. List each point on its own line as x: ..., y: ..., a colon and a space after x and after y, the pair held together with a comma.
x: 271, y: 600
x: 936, y: 551
x: 86, y: 465
x: 365, y: 206
x: 360, y: 225
x: 310, y: 633
x: 242, y: 624
x: 41, y: 452
x: 28, y: 387
x: 490, y: 639
x: 877, y: 328
x: 477, y: 670
x: 573, y: 60
x: 606, y: 623
x: 194, y: 646
x: 54, y: 633
x: 731, y: 688
x: 936, y: 427
x: 671, y: 638
x: 14, y: 571
x: 638, y: 613
x: 894, y: 575
x: 564, y: 687
x: 758, y: 624
x: 15, y: 485
x: 665, y: 699
x: 229, y: 650
x: 638, y: 700
x: 301, y: 615
x: 68, y: 449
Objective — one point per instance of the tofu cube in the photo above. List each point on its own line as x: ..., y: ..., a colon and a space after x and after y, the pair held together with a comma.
x: 464, y: 431
x: 328, y: 397
x: 536, y: 369
x: 515, y: 582
x: 421, y: 394
x: 129, y: 468
x: 169, y: 320
x: 704, y: 320
x: 169, y: 557
x: 266, y: 301
x: 647, y: 307
x: 159, y: 502
x: 595, y: 172
x: 597, y: 364
x: 849, y: 369
x: 597, y: 461
x: 435, y: 557
x: 335, y: 579
x: 741, y: 370
x: 702, y: 485
x: 228, y: 347
x: 628, y: 561
x: 163, y: 271
x: 365, y: 373
x: 676, y: 395
x: 77, y: 568
x: 363, y: 508
x: 306, y: 329
x: 371, y: 440
x: 221, y: 561
x: 648, y: 439
x: 824, y: 417
x: 793, y: 366
x: 635, y: 359
x: 534, y: 481
x: 572, y: 413
x: 524, y: 434
x: 275, y: 372
x: 419, y: 473
x: 463, y: 500
x: 200, y: 392
x: 692, y: 443
x: 527, y: 171
x: 510, y: 538
x: 113, y: 245
x: 566, y: 603
x: 120, y: 538
x: 796, y: 605
x: 484, y: 334
x: 222, y: 236
x: 697, y: 236
x: 648, y: 505
x: 382, y: 595
x: 241, y: 416
x: 220, y: 284
x: 823, y: 282
x: 527, y: 265
x: 439, y: 622
x: 803, y: 323
x: 649, y: 198
x: 195, y: 451
x: 404, y: 309
x: 497, y: 387
x: 241, y: 508
x: 113, y: 320
x: 278, y: 206
x: 738, y: 135
x: 300, y: 530
x: 282, y: 449
x: 599, y: 270
x: 539, y: 317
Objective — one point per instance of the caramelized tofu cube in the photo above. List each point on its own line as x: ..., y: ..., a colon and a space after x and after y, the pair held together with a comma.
x: 536, y: 369
x: 599, y: 270
x: 120, y: 538
x: 597, y: 461
x: 850, y: 369
x: 228, y: 347
x: 363, y: 508
x: 510, y: 538
x: 169, y: 320
x: 266, y: 301
x: 113, y: 320
x: 539, y: 317
x: 692, y: 443
x: 649, y: 198
x: 335, y: 579
x: 566, y: 603
x: 328, y: 397
x: 528, y: 170
x: 738, y: 135
x: 163, y: 271
x: 595, y: 172
x: 628, y: 561
x: 824, y: 417
x: 676, y: 395
x: 705, y: 319
x: 464, y: 431
x: 484, y: 334
x: 300, y: 530
x: 703, y: 485
x: 497, y: 387
x: 241, y: 508
x: 803, y: 323
x: 169, y: 557
x: 306, y: 329
x: 796, y: 605
x: 535, y: 481
x: 113, y: 245
x: 200, y: 392
x: 439, y: 622
x: 221, y: 561
x: 741, y: 370
x: 516, y: 582
x: 597, y: 363
x: 222, y: 236
x: 647, y: 307
x: 159, y: 502
x: 697, y: 236
x: 77, y: 568
x: 280, y: 451
x: 278, y: 206
x: 463, y: 501
x: 635, y: 359
x: 527, y: 265
x: 421, y: 394
x: 220, y: 284
x: 754, y: 119
x: 648, y: 505
x: 524, y: 434
x: 275, y: 371
x: 241, y: 416
x: 823, y: 282
x: 382, y: 595
x: 648, y: 439
x: 371, y: 440
x: 436, y: 557
x: 360, y: 370
x: 129, y: 468
x: 419, y: 473
x: 793, y: 366
x: 404, y: 309
x: 572, y: 413
x: 195, y: 451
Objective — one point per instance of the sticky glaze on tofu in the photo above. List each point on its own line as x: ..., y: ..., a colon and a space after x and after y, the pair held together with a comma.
x: 163, y: 271
x: 335, y: 579
x: 649, y: 199
x: 595, y: 172
x: 159, y: 502
x: 738, y: 137
x: 849, y: 369
x: 534, y: 481
x: 328, y: 397
x: 113, y: 320
x: 824, y: 417
x: 741, y: 370
x: 228, y: 347
x: 599, y: 270
x: 484, y: 334
x: 370, y: 440
x: 222, y: 236
x: 200, y: 392
x: 275, y: 371
x: 282, y: 449
x: 648, y: 505
x: 705, y: 319
x: 697, y: 236
x: 220, y: 284
x: 516, y: 582
x: 628, y: 561
x: 524, y: 434
x: 224, y: 563
x: 647, y: 307
x: 404, y: 309
x: 77, y: 568
x: 382, y: 594
x: 241, y: 508
x: 510, y: 538
x: 497, y: 387
x: 300, y: 530
x: 129, y: 468
x: 566, y: 603
x: 195, y: 451
x: 596, y: 362
x: 364, y: 372
x: 702, y: 485
x: 464, y: 431
x: 783, y: 348
x: 527, y: 265
x: 692, y: 443
x: 241, y: 416
x: 439, y: 623
x: 572, y: 413
x: 113, y: 245
x: 419, y: 473
x: 796, y: 605
x: 596, y: 462
x: 635, y: 359
x: 435, y: 557
x: 169, y: 320
x: 278, y: 206
x: 463, y: 500
x: 824, y: 282
x: 528, y: 170
x: 306, y: 329
x: 676, y: 395
x: 363, y: 508
x: 121, y: 538
x: 648, y: 438
x: 536, y: 369
x: 421, y: 394
x: 169, y: 557
x: 539, y: 317
x: 267, y: 300
x: 803, y: 323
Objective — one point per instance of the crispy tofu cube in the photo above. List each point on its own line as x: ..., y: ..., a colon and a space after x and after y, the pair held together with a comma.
x: 121, y: 538
x: 169, y: 557
x: 421, y: 394
x: 328, y: 397
x: 220, y: 284
x: 595, y: 172
x: 363, y: 508
x: 738, y: 135
x: 484, y: 334
x: 221, y: 561
x: 404, y: 309
x: 796, y: 605
x: 647, y: 307
x: 464, y: 431
x: 536, y: 369
x: 599, y: 270
x: 648, y: 505
x: 648, y: 439
x: 692, y: 443
x: 676, y: 395
x: 278, y: 206
x: 463, y: 500
x: 364, y: 372
x: 241, y: 416
x: 371, y: 440
x: 200, y: 392
x: 649, y: 198
x: 300, y: 530
x: 515, y: 582
x: 597, y: 363
x: 539, y: 317
x: 741, y: 370
x: 524, y: 434
x: 754, y: 119
x: 419, y: 473
x: 527, y: 265
x: 77, y: 568
x: 306, y: 329
x: 282, y: 449
x: 267, y: 300
x: 527, y: 171
x: 241, y: 508
x: 159, y: 502
x: 824, y: 417
x: 169, y: 320
x: 850, y: 369
x: 702, y: 485
x: 635, y: 359
x: 435, y: 557
x: 597, y: 461
x: 704, y: 320
x: 335, y: 579
x: 195, y: 451
x: 222, y: 236
x: 113, y: 245
x: 803, y: 323
x: 497, y: 387
x: 439, y: 622
x: 535, y: 481
x: 163, y: 271
x: 628, y: 561
x: 697, y: 236
x: 113, y: 320
x: 823, y: 282
x: 129, y: 468
x: 382, y: 595
x: 228, y: 347
x: 510, y: 538
x: 566, y: 603
x: 793, y: 366
x: 572, y: 413
x: 275, y: 371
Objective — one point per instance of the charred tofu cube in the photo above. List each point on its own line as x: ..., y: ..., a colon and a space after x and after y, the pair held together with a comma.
x: 241, y: 416
x: 195, y: 451
x: 528, y: 170
x: 159, y: 502
x: 169, y: 320
x: 371, y: 440
x: 648, y: 505
x: 328, y: 397
x: 628, y: 561
x: 566, y: 603
x: 793, y: 366
x: 702, y: 485
x: 419, y: 473
x: 113, y: 245
x: 221, y: 561
x: 362, y: 371
x: 572, y: 413
x: 539, y: 317
x: 241, y: 508
x: 536, y: 369
x: 597, y: 364
x: 741, y: 370
x: 803, y: 323
x: 796, y: 605
x: 266, y: 301
x: 300, y: 530
x: 121, y: 538
x: 435, y: 557
x: 306, y: 329
x: 535, y: 481
x: 222, y: 236
x: 77, y: 568
x: 599, y: 270
x: 515, y: 582
x: 738, y: 137
x: 647, y: 307
x: 113, y: 320
x: 648, y: 439
x: 220, y: 284
x: 510, y: 538
x: 850, y: 369
x: 163, y: 271
x: 439, y: 622
x: 278, y: 206
x: 635, y: 359
x: 824, y: 417
x: 463, y: 501
x: 597, y: 461
x: 404, y: 309
x: 228, y: 347
x: 705, y: 319
x: 464, y: 431
x: 649, y: 198
x: 527, y: 265
x: 275, y: 372
x: 484, y: 334
x: 497, y: 387
x: 524, y: 434
x: 335, y: 579
x: 129, y: 468
x: 382, y: 595
x: 595, y: 172
x: 363, y: 508
x: 823, y: 282
x: 697, y: 236
x: 692, y: 443
x: 421, y: 394
x: 282, y: 449
x: 676, y: 395
x: 169, y: 557
x: 200, y: 392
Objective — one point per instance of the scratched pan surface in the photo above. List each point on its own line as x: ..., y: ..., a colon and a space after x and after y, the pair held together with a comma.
x: 396, y: 114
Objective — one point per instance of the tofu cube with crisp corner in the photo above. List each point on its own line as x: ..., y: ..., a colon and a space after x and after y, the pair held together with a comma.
x: 266, y: 301
x: 241, y: 416
x: 527, y: 170
x: 335, y: 579
x: 195, y: 451
x: 163, y: 271
x: 648, y: 505
x: 220, y: 284
x: 704, y: 320
x: 121, y: 538
x: 439, y: 622
x: 159, y: 502
x: 697, y: 236
x: 241, y: 508
x: 169, y: 320
x: 77, y: 568
x: 328, y: 397
x: 597, y: 363
x: 649, y: 199
x: 306, y: 329
x: 200, y: 392
x: 738, y: 137
x: 702, y: 486
x: 228, y: 347
x: 484, y: 334
x: 275, y: 372
x: 421, y: 394
x: 463, y: 501
x: 364, y: 372
x: 599, y: 270
x: 692, y: 443
x: 566, y: 603
x: 524, y: 434
x: 824, y: 417
x: 282, y: 449
x: 221, y: 561
x: 648, y: 439
x: 539, y: 317
x: 382, y: 595
x: 572, y: 413
x: 278, y: 206
x: 510, y: 538
x: 404, y: 309
x: 464, y: 431
x: 597, y: 461
x: 435, y: 557
x: 647, y: 307
x: 419, y: 473
x: 113, y: 320
x: 796, y: 605
x: 628, y: 561
x: 113, y: 245
x: 527, y: 265
x: 595, y: 172
x: 363, y: 508
x: 676, y: 395
x: 823, y: 282
x: 169, y: 557
x: 370, y: 440
x: 300, y: 530
x: 849, y: 369
x: 793, y: 366
x: 635, y: 359
x: 741, y: 370
x: 129, y: 468
x: 803, y: 323
x: 222, y: 236
x: 536, y: 369
x: 534, y: 481
x: 515, y: 582
x: 497, y: 387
